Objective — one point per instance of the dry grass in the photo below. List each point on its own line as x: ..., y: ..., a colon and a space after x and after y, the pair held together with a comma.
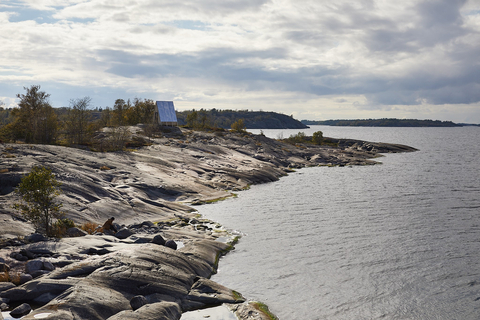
x: 7, y: 277
x: 89, y: 227
x: 8, y: 155
x: 4, y: 277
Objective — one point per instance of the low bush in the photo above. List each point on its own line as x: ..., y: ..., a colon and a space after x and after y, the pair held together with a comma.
x: 89, y: 227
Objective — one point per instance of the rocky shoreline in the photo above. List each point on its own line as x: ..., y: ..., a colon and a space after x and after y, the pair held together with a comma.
x: 138, y: 273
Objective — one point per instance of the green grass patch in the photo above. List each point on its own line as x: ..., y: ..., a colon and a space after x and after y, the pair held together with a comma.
x: 263, y: 308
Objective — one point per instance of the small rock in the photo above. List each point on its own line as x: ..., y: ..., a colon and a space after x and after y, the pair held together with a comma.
x: 76, y: 232
x: 4, y: 267
x: 4, y: 306
x: 158, y: 239
x: 21, y: 310
x: 35, y: 237
x: 148, y: 223
x: 123, y: 233
x: 33, y: 265
x: 42, y: 251
x: 47, y: 265
x: 16, y: 243
x: 25, y: 277
x: 137, y: 302
x: 171, y: 244
x: 142, y: 240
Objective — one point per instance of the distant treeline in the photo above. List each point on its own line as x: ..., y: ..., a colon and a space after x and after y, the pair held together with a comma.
x: 383, y: 123
x: 252, y: 119
x: 36, y: 121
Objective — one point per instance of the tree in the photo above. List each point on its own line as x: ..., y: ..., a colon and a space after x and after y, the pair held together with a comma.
x: 35, y: 120
x: 239, y: 126
x: 141, y: 112
x: 192, y: 119
x: 78, y: 119
x: 105, y: 118
x: 38, y: 190
x: 119, y: 113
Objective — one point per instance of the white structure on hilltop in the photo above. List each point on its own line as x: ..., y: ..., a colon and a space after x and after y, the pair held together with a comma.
x: 165, y: 113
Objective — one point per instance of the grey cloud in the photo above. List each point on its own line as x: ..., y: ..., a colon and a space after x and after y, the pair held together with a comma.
x: 220, y: 66
x: 434, y: 22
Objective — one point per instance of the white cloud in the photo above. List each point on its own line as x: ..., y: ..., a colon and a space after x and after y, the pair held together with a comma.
x: 389, y: 53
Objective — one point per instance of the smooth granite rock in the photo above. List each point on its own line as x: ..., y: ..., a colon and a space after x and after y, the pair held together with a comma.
x: 76, y: 232
x: 137, y: 302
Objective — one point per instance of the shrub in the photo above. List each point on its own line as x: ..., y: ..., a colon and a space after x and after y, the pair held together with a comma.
x: 38, y: 190
x: 297, y: 138
x: 317, y: 137
x: 60, y: 227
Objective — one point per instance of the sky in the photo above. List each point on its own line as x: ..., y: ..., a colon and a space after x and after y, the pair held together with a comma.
x: 315, y: 60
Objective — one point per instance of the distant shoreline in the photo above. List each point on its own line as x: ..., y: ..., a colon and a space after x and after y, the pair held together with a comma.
x: 386, y: 123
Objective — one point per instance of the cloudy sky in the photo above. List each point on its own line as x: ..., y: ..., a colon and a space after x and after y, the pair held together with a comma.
x: 342, y: 59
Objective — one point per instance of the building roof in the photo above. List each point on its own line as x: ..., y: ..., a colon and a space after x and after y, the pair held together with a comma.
x: 166, y: 111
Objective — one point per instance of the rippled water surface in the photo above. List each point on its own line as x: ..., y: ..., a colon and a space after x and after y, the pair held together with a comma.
x: 399, y: 240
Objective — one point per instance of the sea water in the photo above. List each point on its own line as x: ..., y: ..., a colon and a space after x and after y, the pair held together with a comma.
x: 400, y: 240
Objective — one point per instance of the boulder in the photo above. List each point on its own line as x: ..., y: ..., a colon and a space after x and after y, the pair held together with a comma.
x: 38, y: 273
x: 4, y: 286
x: 171, y: 244
x: 76, y: 232
x: 21, y: 310
x: 158, y: 239
x: 33, y: 265
x: 14, y: 294
x: 123, y: 233
x: 4, y: 267
x: 158, y: 311
x: 27, y: 253
x: 142, y: 240
x: 21, y: 257
x: 35, y: 237
x: 137, y: 302
x: 210, y: 293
